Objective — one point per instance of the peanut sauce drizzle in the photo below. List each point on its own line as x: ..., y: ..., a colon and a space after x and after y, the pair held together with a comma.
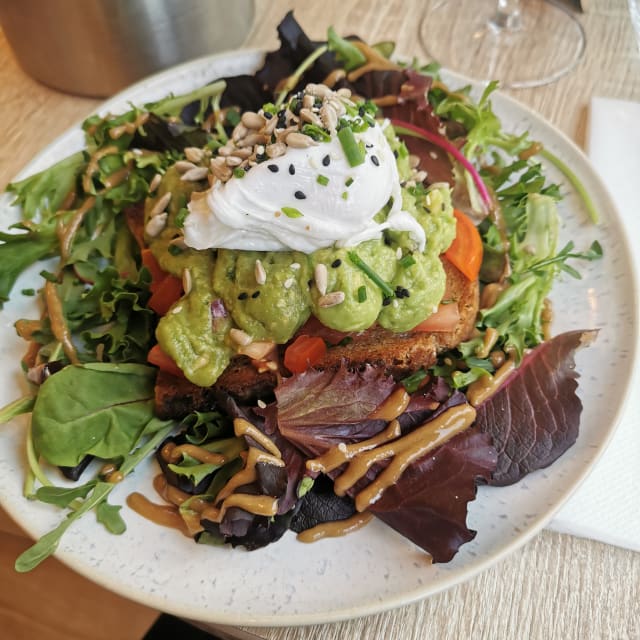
x: 393, y: 406
x: 243, y: 427
x: 58, y: 324
x: 488, y: 384
x: 403, y: 450
x: 375, y: 62
x: 335, y: 528
x: 164, y: 515
x: 173, y: 453
x: 66, y: 233
x: 92, y: 166
x: 129, y: 127
x: 333, y: 77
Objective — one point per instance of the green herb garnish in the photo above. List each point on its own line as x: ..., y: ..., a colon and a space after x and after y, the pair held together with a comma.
x: 352, y: 150
x: 292, y: 212
x: 385, y: 287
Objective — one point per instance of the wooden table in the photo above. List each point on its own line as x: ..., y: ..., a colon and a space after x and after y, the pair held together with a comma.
x: 556, y: 586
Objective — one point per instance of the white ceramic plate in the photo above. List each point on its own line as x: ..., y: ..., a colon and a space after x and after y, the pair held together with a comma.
x: 289, y: 582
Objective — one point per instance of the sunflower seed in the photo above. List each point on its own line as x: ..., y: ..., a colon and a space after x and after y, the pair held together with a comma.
x: 241, y: 153
x: 240, y: 337
x: 194, y: 154
x: 156, y: 224
x: 234, y: 161
x: 239, y: 132
x: 186, y: 281
x: 160, y: 205
x: 308, y: 101
x: 331, y: 299
x: 195, y: 174
x: 276, y: 150
x: 253, y: 120
x: 260, y: 273
x: 184, y: 165
x: 257, y: 350
x: 252, y: 139
x: 329, y: 117
x: 318, y: 90
x: 155, y: 182
x: 308, y: 116
x: 289, y: 282
x: 320, y: 276
x: 299, y: 140
x: 200, y: 362
x: 220, y: 169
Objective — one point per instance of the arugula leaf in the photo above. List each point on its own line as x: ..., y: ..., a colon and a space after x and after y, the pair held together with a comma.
x: 109, y: 516
x: 48, y: 544
x: 64, y: 496
x: 97, y: 409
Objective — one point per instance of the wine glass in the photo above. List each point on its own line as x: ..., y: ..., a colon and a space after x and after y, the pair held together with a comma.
x: 520, y: 43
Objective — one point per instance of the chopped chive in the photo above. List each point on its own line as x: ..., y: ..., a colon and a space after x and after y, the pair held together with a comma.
x: 292, y: 212
x: 28, y: 292
x: 348, y: 182
x: 362, y: 293
x: 412, y: 382
x: 345, y: 195
x: 238, y: 172
x: 47, y: 275
x: 181, y: 216
x: 407, y: 261
x: 373, y: 276
x: 233, y: 117
x: 323, y: 180
x: 174, y: 250
x: 352, y: 150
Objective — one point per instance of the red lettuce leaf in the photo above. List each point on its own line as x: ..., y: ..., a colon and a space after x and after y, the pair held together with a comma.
x: 428, y: 504
x: 535, y: 416
x: 317, y: 409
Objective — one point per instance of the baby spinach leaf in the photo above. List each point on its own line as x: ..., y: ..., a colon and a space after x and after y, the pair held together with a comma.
x: 98, y: 409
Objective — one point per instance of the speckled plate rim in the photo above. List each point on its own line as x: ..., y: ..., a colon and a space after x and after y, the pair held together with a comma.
x: 466, y: 565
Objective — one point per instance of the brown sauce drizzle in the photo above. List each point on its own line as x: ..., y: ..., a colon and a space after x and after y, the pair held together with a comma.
x: 375, y: 61
x: 335, y: 528
x: 92, y: 166
x: 164, y: 515
x: 129, y: 127
x: 243, y: 427
x: 67, y: 232
x: 173, y: 453
x: 334, y: 76
x: 257, y: 504
x: 488, y: 384
x: 403, y: 450
x: 393, y: 406
x: 59, y: 326
x: 488, y: 342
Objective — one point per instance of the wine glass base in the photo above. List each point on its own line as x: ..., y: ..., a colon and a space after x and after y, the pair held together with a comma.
x: 462, y: 36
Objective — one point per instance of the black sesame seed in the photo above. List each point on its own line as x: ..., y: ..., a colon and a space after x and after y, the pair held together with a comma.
x: 268, y: 115
x: 375, y: 160
x: 368, y: 146
x: 292, y: 170
x: 261, y: 157
x: 310, y: 283
x: 255, y: 294
x: 336, y: 263
x: 299, y: 195
x: 395, y: 153
x: 296, y: 110
x: 326, y: 161
x: 442, y: 207
x: 361, y: 112
x: 243, y: 296
x: 406, y: 293
x: 282, y: 122
x: 273, y: 168
x: 386, y: 301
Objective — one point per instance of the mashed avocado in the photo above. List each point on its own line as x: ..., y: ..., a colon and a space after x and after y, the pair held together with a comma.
x: 270, y: 295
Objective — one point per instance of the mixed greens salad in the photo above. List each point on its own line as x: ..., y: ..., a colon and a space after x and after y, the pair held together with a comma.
x: 91, y: 383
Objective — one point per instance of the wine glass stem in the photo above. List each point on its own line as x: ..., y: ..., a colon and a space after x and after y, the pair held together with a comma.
x: 507, y: 16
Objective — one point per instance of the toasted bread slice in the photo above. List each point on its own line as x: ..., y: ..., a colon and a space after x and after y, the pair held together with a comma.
x: 398, y: 353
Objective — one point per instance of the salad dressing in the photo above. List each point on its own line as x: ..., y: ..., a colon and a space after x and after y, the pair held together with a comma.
x: 173, y: 453
x: 488, y: 384
x: 394, y: 406
x: 164, y: 515
x: 335, y: 528
x: 243, y: 427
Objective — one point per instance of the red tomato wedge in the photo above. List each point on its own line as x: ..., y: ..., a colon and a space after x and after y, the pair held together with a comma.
x: 465, y: 251
x: 446, y: 318
x: 304, y: 352
x: 158, y: 357
x: 167, y: 292
x: 157, y: 274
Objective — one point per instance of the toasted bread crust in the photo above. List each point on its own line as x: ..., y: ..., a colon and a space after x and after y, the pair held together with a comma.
x: 398, y: 353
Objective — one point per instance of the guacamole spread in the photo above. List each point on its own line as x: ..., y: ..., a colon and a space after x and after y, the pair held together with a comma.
x: 269, y: 295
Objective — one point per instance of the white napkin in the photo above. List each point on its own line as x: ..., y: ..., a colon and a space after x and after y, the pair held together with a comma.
x: 607, y: 506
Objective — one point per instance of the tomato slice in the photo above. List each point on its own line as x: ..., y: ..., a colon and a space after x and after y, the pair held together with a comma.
x: 165, y: 363
x: 304, y: 352
x: 446, y: 318
x: 465, y: 251
x: 168, y: 292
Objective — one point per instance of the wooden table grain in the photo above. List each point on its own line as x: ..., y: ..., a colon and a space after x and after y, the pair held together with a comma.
x: 556, y: 586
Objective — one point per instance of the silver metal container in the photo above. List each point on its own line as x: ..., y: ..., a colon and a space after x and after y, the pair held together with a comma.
x: 97, y: 47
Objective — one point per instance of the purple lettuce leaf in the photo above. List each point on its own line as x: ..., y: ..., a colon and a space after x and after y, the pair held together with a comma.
x: 535, y: 416
x: 428, y: 504
x: 317, y: 409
